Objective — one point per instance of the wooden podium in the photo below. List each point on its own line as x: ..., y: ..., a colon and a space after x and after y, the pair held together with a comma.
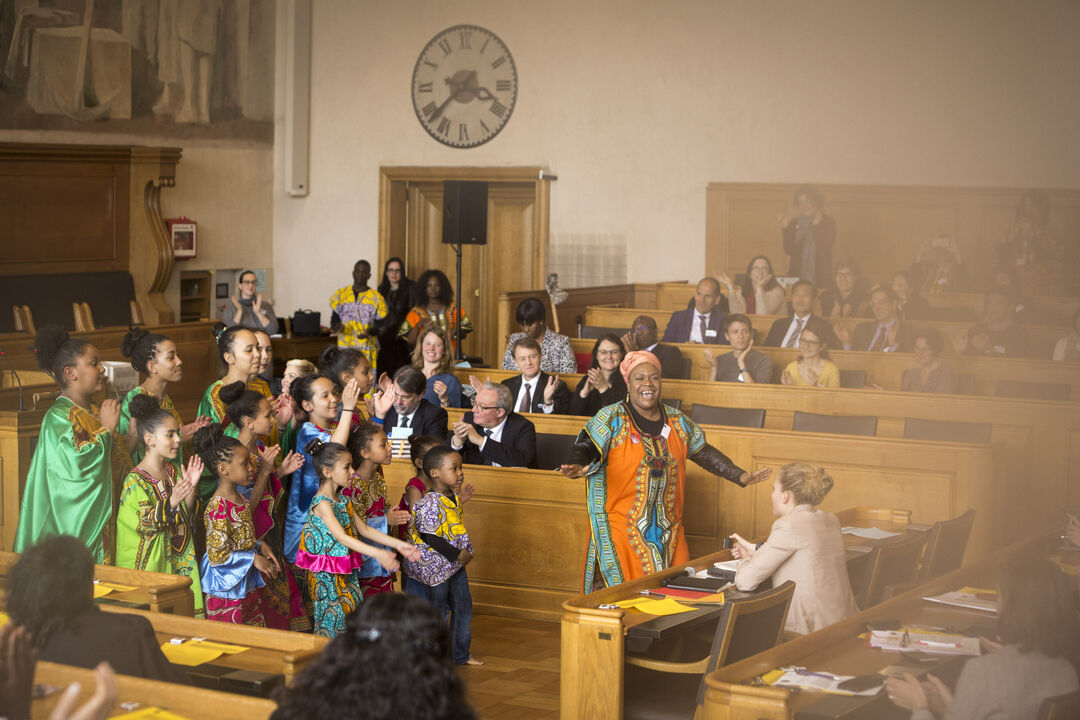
x: 18, y: 436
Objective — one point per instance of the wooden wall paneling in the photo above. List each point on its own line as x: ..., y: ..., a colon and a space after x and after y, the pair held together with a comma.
x: 880, y: 227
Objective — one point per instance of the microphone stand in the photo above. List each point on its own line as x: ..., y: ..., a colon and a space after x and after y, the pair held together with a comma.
x: 22, y: 405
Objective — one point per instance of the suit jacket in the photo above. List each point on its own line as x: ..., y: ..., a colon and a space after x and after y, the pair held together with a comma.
x: 804, y: 546
x: 679, y: 326
x: 561, y: 399
x: 865, y: 331
x: 428, y: 419
x: 516, y: 448
x: 780, y: 327
x: 671, y: 361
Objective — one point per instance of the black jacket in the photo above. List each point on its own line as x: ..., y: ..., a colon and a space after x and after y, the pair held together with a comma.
x: 516, y: 448
x: 428, y: 419
x: 780, y: 327
x: 561, y: 401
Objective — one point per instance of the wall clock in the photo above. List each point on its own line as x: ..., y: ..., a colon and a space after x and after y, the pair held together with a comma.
x: 464, y: 86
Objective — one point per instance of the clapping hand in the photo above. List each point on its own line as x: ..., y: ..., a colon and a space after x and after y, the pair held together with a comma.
x: 598, y: 380
x: 811, y: 375
x: 465, y: 431
x: 109, y: 414
x: 629, y: 342
x: 549, y: 389
x: 842, y: 333
x: 292, y: 462
x: 17, y: 661
x: 350, y: 396
x: 257, y: 305
x: 741, y: 549
x: 235, y: 301
x: 386, y: 397
x: 476, y: 383
x: 441, y: 392
x: 785, y: 377
x: 710, y: 357
x: 466, y: 492
x: 184, y: 489
x: 268, y: 455
x: 98, y: 707
x: 189, y: 430
x: 724, y: 279
x: 283, y: 409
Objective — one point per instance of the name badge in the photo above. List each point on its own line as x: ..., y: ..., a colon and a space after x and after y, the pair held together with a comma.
x: 710, y: 333
x: 400, y: 433
x: 665, y: 432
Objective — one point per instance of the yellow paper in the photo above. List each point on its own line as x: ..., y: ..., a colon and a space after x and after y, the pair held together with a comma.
x: 223, y: 647
x: 189, y: 653
x: 4, y: 619
x: 101, y: 590
x: 771, y: 677
x: 150, y: 713
x: 631, y: 602
x: 1065, y: 567
x: 714, y: 599
x: 667, y: 606
x: 977, y: 591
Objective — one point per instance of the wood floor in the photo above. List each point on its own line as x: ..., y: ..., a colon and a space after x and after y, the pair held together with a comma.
x: 520, y: 675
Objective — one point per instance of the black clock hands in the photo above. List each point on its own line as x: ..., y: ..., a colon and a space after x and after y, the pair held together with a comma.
x: 457, y: 87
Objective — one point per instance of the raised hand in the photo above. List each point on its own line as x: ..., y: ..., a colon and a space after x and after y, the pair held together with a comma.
x: 16, y: 670
x: 785, y: 377
x: 292, y: 462
x: 755, y: 477
x: 269, y: 455
x: 98, y: 707
x: 629, y: 342
x: 385, y: 400
x: 724, y: 279
x: 586, y: 388
x: 441, y: 391
x: 110, y: 414
x: 842, y: 333
x: 598, y: 379
x: 466, y: 493
x: 283, y: 409
x: 960, y: 341
x: 235, y: 301
x: 741, y: 548
x: 189, y: 430
x: 257, y: 305
x: 350, y: 396
x: 184, y: 489
x: 476, y: 383
x: 549, y: 389
x: 710, y: 357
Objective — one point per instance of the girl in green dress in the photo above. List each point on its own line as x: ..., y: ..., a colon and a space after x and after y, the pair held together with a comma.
x: 154, y: 357
x: 156, y: 523
x: 73, y: 483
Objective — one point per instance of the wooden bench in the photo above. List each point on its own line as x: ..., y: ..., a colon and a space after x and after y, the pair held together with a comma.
x: 182, y: 700
x: 274, y: 652
x: 162, y: 593
x: 1043, y: 337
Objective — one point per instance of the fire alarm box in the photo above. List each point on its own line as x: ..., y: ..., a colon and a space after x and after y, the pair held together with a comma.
x: 183, y: 234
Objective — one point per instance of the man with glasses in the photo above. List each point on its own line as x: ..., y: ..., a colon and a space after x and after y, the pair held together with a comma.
x: 493, y: 434
x: 886, y: 333
x: 642, y: 336
x: 410, y: 410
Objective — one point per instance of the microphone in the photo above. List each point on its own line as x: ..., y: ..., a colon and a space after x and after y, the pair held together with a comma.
x: 22, y: 405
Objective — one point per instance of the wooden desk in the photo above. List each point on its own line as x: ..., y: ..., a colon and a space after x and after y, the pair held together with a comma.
x: 276, y: 652
x: 838, y: 649
x: 185, y: 701
x: 936, y: 480
x: 160, y: 592
x: 594, y: 639
x: 299, y: 347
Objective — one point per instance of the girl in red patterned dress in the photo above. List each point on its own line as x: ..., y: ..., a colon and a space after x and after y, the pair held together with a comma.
x: 235, y: 561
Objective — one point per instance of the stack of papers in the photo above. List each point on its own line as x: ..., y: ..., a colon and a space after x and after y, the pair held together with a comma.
x: 101, y: 589
x: 927, y: 642
x: 667, y: 606
x: 197, y: 651
x: 871, y: 533
x: 817, y: 681
x: 968, y: 597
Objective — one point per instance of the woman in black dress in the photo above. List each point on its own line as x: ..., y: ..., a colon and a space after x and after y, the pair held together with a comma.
x: 396, y: 290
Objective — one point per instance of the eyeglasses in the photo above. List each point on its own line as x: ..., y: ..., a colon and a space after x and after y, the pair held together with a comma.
x: 804, y: 341
x: 478, y: 406
x: 609, y: 353
x: 249, y: 282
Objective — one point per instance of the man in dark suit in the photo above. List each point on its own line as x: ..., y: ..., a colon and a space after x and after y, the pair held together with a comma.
x: 535, y: 391
x: 785, y: 331
x: 642, y: 336
x: 887, y: 332
x: 410, y: 409
x: 703, y: 323
x: 493, y: 434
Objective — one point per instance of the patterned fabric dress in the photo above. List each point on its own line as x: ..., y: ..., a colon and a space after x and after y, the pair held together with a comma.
x: 447, y: 320
x: 331, y: 567
x: 436, y: 514
x: 283, y: 604
x: 73, y: 485
x: 151, y: 536
x: 555, y: 353
x: 212, y: 407
x: 139, y: 452
x: 368, y: 500
x: 635, y: 495
x: 403, y: 504
x: 358, y: 313
x: 229, y: 576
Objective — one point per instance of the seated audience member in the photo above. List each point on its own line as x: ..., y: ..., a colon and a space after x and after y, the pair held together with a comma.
x: 932, y: 375
x: 886, y: 333
x: 532, y: 318
x: 999, y: 334
x: 492, y: 433
x: 391, y: 663
x: 1037, y: 622
x: 1031, y: 250
x: 938, y: 268
x: 250, y: 310
x: 759, y: 293
x: 265, y: 349
x: 431, y: 356
x: 642, y: 336
x: 1067, y: 349
x: 845, y: 298
x: 410, y: 409
x: 804, y: 545
x: 785, y: 331
x: 50, y: 592
x: 909, y: 303
x: 743, y: 363
x: 809, y: 236
x: 813, y: 368
x: 535, y: 390
x: 704, y: 322
x: 433, y: 306
x: 603, y: 384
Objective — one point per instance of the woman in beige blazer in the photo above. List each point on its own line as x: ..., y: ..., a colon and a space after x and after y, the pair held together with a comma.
x: 805, y: 546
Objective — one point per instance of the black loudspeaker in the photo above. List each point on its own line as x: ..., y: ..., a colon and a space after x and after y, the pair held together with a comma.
x: 464, y: 212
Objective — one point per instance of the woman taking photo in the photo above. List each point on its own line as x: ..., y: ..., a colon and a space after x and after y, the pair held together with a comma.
x: 555, y: 353
x: 633, y: 454
x: 813, y: 368
x: 250, y: 310
x: 433, y: 306
x: 603, y: 384
x: 431, y: 356
x: 804, y: 545
x: 759, y: 293
x: 396, y: 290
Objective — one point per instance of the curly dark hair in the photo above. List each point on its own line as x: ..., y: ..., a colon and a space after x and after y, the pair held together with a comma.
x: 50, y: 584
x: 325, y: 454
x: 334, y: 361
x: 360, y: 439
x: 213, y: 446
x: 446, y: 292
x: 147, y: 414
x: 57, y: 350
x: 140, y: 346
x: 391, y: 663
x: 239, y: 402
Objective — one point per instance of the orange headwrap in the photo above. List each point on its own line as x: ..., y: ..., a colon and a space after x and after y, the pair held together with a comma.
x: 635, y: 358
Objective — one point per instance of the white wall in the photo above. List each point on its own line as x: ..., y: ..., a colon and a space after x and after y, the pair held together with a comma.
x: 636, y: 105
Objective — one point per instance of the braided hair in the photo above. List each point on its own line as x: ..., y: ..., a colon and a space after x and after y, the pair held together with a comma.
x: 56, y: 350
x: 213, y: 446
x: 140, y: 346
x: 239, y: 402
x: 404, y: 648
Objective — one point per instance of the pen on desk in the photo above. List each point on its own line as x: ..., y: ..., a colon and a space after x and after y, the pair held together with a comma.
x: 933, y: 643
x: 804, y: 671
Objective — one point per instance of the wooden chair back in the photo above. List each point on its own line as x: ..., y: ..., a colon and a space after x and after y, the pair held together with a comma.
x: 84, y: 319
x: 552, y: 450
x: 673, y: 402
x: 945, y: 546
x: 835, y: 424
x: 1032, y: 390
x: 894, y: 562
x: 947, y: 431
x: 736, y: 417
x: 852, y: 378
x: 137, y: 317
x: 24, y: 319
x: 594, y: 331
x: 1062, y: 707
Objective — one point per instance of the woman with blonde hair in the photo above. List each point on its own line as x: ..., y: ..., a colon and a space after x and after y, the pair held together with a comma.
x: 804, y: 545
x: 432, y: 357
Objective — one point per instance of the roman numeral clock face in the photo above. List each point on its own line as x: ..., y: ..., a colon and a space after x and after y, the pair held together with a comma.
x: 464, y: 86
